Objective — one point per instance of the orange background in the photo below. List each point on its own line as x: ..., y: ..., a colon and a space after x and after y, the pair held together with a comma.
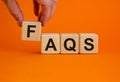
x: 22, y: 62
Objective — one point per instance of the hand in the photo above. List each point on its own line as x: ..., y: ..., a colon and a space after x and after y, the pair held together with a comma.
x: 47, y: 10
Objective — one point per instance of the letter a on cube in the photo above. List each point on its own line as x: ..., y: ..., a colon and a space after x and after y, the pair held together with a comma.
x: 50, y: 43
x: 31, y: 30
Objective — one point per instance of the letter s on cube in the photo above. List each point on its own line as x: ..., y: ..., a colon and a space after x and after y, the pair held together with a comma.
x: 88, y: 43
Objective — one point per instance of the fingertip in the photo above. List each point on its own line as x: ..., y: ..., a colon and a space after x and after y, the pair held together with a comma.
x: 43, y: 23
x: 19, y: 23
x: 15, y: 11
x: 19, y: 20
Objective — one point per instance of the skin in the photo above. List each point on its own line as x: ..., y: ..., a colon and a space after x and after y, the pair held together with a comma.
x: 47, y: 10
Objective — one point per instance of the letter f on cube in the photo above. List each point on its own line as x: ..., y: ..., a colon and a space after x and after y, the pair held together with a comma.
x: 31, y: 30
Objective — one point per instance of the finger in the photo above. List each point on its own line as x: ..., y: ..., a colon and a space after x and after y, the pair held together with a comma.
x: 45, y: 14
x: 36, y: 7
x: 15, y: 10
x: 53, y: 7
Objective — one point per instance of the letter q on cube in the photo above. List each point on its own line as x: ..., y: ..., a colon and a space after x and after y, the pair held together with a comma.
x: 70, y: 43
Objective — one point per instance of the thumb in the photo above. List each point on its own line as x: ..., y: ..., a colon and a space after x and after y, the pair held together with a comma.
x: 14, y: 9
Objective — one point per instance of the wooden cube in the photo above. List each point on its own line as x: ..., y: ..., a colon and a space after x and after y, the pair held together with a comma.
x: 50, y: 43
x: 31, y: 30
x: 69, y: 43
x: 88, y: 43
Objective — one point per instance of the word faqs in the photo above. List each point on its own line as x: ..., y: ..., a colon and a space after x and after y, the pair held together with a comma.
x: 54, y: 43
